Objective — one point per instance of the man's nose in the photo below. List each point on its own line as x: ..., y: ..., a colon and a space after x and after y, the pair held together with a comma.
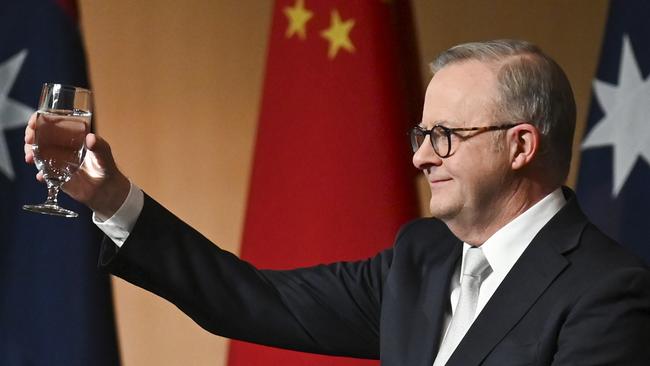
x: 425, y: 157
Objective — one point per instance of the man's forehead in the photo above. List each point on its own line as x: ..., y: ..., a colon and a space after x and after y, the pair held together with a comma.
x: 467, y: 73
x: 461, y: 92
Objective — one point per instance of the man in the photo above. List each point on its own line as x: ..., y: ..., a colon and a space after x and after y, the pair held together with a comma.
x: 508, y: 272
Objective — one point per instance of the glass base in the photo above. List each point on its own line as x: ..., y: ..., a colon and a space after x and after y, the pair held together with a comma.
x: 49, y: 209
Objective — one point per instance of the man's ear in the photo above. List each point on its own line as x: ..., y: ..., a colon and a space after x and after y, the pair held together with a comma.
x: 524, y: 145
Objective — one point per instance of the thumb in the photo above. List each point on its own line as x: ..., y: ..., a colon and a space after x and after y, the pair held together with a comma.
x: 101, y: 149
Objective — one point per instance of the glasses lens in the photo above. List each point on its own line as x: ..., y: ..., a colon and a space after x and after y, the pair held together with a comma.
x: 417, y: 138
x: 440, y: 140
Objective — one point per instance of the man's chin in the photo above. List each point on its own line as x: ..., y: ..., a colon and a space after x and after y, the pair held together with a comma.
x: 440, y: 212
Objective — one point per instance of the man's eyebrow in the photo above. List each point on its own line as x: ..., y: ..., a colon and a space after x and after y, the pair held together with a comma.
x: 444, y: 123
x: 440, y: 122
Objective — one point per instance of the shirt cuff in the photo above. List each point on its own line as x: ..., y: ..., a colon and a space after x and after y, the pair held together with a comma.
x: 119, y: 226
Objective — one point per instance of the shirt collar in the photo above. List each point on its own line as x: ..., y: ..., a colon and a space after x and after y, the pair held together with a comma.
x: 506, y: 245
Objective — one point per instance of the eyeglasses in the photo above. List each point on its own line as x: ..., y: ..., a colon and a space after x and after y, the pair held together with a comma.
x: 440, y: 136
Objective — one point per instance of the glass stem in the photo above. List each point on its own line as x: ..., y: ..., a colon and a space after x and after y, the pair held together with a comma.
x: 52, y: 193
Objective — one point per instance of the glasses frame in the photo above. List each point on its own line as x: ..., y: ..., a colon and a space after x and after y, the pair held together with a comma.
x: 448, y: 131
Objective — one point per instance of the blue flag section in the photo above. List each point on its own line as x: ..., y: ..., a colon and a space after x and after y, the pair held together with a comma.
x: 614, y: 180
x: 55, y: 307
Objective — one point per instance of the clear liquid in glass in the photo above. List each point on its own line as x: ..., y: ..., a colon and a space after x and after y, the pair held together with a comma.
x: 60, y: 143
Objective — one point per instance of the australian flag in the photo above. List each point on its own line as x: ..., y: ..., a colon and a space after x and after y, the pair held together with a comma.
x: 55, y: 307
x: 614, y: 180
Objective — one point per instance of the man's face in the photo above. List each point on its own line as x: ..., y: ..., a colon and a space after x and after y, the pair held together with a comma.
x: 467, y: 186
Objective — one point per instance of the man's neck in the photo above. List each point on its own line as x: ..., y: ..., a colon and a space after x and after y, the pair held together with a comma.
x: 477, y: 229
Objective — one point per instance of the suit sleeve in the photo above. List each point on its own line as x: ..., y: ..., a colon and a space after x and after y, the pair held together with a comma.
x: 610, y: 324
x: 329, y: 309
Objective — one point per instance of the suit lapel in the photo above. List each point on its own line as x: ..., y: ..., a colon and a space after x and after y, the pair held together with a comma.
x: 535, y: 270
x: 436, y: 300
x: 421, y: 321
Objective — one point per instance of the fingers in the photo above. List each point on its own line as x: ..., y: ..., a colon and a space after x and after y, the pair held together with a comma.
x: 32, y: 119
x: 29, y: 135
x: 30, y: 128
x: 29, y: 154
x: 29, y: 138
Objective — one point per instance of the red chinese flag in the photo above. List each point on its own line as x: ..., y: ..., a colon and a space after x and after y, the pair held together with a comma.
x: 331, y: 177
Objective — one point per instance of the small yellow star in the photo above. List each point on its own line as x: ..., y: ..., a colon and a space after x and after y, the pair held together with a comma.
x: 298, y: 17
x: 338, y: 34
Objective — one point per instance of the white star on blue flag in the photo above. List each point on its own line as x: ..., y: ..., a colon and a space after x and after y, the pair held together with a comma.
x: 627, y: 117
x: 615, y: 161
x: 13, y: 114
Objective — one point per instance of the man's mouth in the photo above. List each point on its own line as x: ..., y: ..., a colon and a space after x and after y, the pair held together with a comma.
x: 434, y: 181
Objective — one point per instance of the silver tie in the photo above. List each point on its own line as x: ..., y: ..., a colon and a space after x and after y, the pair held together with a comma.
x: 476, y: 268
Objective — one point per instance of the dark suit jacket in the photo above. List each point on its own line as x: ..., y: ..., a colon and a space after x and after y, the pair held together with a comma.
x: 574, y: 297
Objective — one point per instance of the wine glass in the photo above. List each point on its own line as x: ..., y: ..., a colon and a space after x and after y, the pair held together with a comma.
x: 62, y: 123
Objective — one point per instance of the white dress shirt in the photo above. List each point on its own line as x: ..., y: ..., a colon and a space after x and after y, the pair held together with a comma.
x: 119, y: 226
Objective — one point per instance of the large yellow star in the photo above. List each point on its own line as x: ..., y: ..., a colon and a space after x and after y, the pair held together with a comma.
x: 298, y: 17
x: 338, y: 34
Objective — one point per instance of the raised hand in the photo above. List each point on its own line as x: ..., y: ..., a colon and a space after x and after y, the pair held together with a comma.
x: 98, y: 184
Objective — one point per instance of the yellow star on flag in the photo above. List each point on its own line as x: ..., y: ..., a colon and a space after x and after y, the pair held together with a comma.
x: 298, y: 17
x: 338, y: 34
